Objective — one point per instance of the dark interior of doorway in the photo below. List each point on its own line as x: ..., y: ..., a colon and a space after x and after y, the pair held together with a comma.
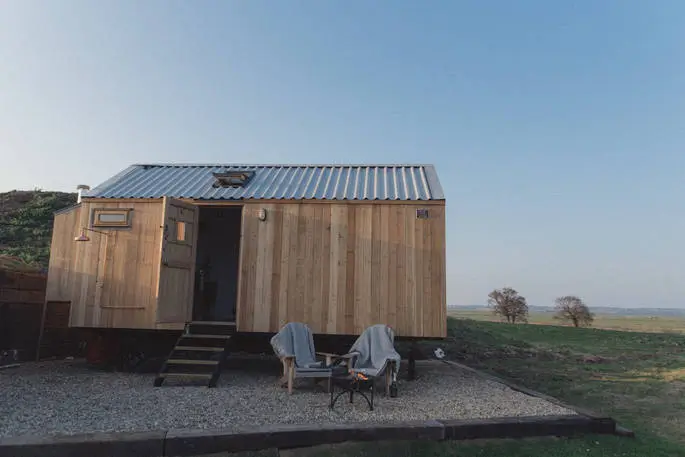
x: 216, y: 269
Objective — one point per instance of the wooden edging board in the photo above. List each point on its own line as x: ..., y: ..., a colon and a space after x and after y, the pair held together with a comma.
x: 581, y: 411
x: 178, y: 443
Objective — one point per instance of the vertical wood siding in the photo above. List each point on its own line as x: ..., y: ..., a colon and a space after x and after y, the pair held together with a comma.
x: 110, y: 280
x: 343, y: 267
x: 338, y: 267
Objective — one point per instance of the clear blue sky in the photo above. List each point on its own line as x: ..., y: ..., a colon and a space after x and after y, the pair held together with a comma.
x: 558, y: 128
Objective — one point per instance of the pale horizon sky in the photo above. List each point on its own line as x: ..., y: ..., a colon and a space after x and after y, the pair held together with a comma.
x: 557, y: 128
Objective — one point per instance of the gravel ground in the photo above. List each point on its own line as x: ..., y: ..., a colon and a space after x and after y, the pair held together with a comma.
x: 69, y: 397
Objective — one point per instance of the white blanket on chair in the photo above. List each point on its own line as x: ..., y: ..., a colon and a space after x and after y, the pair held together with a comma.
x: 375, y: 348
x: 295, y: 339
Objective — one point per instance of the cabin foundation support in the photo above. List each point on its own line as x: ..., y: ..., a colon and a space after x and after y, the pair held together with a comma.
x: 411, y: 368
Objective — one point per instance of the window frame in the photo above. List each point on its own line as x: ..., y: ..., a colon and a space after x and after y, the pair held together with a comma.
x: 96, y: 212
x: 183, y: 230
x: 234, y: 178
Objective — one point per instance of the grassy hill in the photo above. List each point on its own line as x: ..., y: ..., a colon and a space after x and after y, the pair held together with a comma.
x: 26, y: 223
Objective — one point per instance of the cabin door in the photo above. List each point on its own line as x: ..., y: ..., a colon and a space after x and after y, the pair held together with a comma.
x: 177, y: 268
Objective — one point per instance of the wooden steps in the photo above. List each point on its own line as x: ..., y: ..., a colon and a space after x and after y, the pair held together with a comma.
x: 185, y: 375
x: 226, y: 324
x: 199, y: 352
x: 192, y: 362
x: 199, y: 348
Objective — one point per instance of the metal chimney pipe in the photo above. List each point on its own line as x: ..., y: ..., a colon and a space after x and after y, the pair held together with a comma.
x: 80, y: 188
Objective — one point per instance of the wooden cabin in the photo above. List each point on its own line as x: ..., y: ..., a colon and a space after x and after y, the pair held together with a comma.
x: 340, y: 247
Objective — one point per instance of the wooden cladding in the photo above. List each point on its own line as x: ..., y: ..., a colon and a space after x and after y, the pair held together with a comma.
x: 341, y: 268
x: 110, y: 280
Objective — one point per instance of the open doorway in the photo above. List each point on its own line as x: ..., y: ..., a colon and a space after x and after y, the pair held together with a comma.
x: 217, y: 263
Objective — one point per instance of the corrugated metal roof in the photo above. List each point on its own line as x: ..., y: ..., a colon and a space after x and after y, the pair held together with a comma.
x: 291, y: 182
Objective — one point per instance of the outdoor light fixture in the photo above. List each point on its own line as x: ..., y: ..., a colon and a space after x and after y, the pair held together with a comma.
x: 83, y: 237
x: 261, y: 214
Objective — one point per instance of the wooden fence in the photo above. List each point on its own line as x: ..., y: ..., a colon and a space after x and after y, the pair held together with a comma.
x: 22, y: 298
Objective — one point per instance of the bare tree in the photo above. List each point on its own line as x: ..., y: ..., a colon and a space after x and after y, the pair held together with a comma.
x: 509, y: 304
x: 572, y: 309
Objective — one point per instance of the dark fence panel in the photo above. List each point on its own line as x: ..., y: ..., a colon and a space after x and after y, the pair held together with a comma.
x: 22, y: 297
x: 20, y: 327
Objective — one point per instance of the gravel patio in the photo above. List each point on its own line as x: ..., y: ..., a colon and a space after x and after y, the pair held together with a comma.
x: 67, y: 396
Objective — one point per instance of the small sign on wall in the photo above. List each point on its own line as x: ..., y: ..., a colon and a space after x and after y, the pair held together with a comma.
x: 422, y: 213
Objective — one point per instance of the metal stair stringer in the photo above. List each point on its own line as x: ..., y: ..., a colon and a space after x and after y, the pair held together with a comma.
x: 199, y: 352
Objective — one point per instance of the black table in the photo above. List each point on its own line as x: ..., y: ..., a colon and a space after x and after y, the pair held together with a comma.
x: 351, y: 383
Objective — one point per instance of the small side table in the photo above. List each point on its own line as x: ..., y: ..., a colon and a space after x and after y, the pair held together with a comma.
x: 351, y: 384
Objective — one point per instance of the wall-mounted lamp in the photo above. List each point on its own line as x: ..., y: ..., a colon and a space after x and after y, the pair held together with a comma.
x: 261, y: 214
x: 84, y: 237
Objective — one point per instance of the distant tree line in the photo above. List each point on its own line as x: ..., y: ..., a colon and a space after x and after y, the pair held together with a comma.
x: 512, y: 307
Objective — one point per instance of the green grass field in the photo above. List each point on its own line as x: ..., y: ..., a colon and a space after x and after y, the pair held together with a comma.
x: 602, y: 321
x: 636, y: 377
